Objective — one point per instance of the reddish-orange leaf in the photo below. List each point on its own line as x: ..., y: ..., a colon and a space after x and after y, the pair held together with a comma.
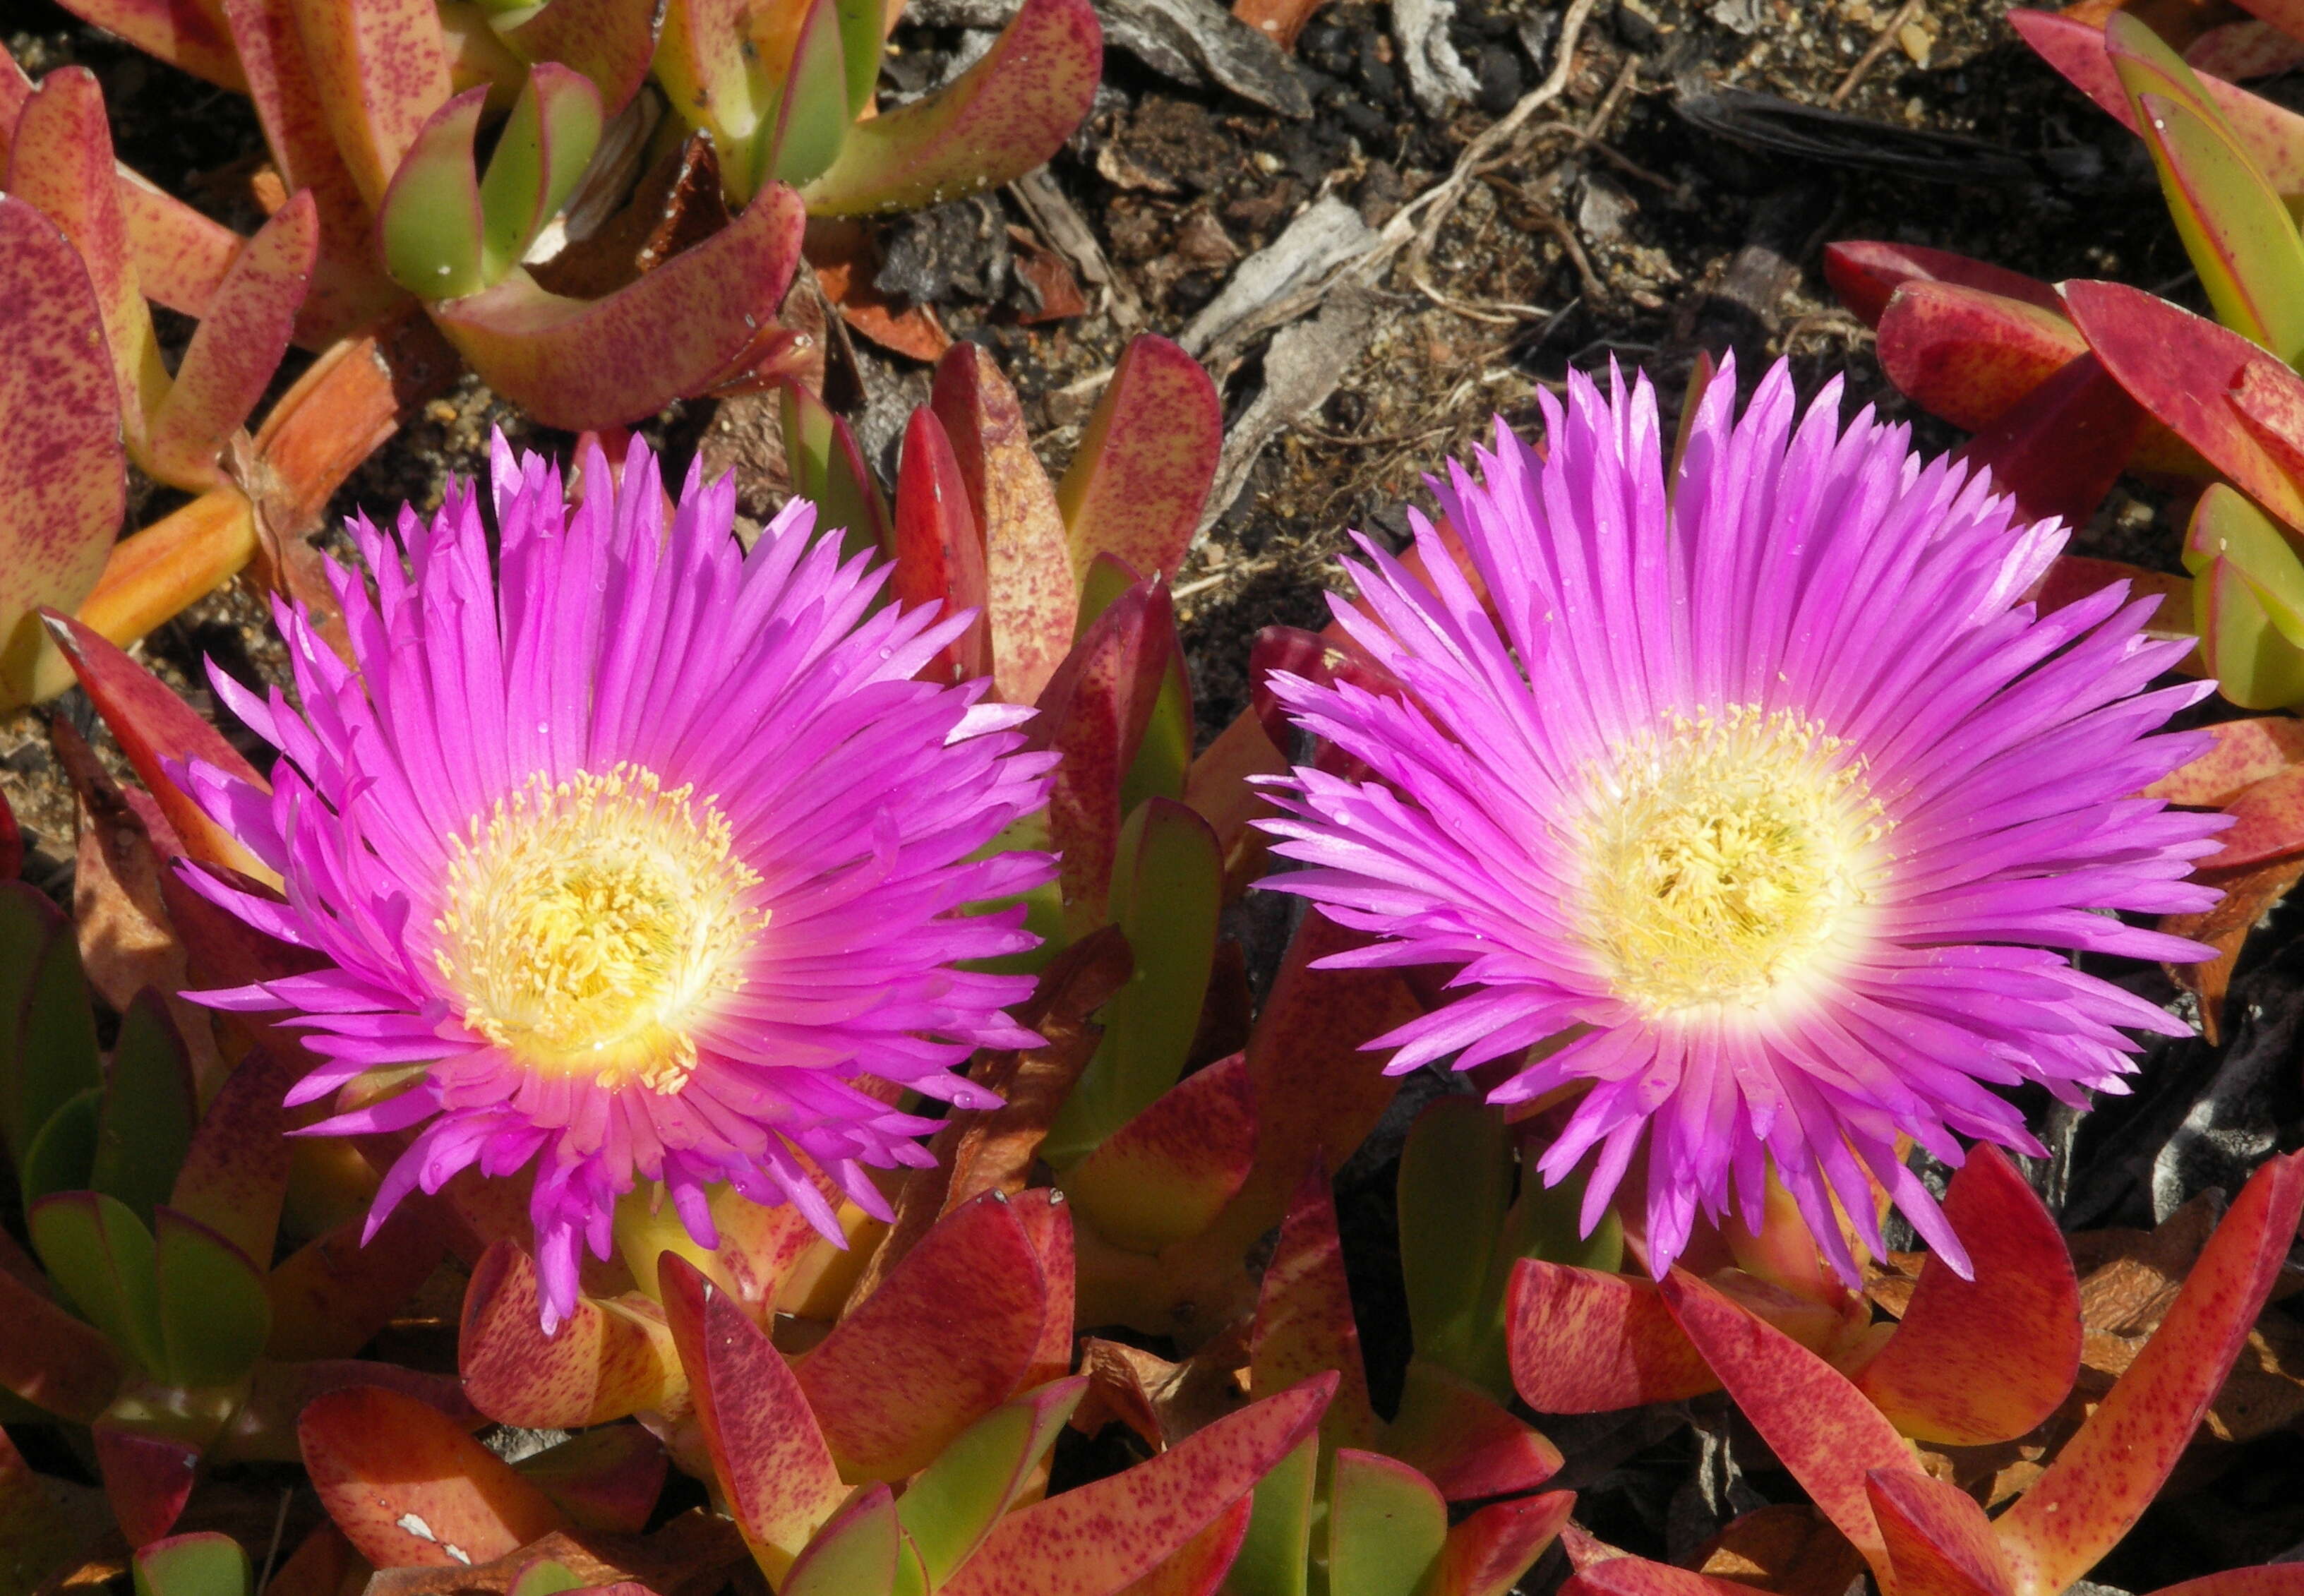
x: 147, y: 1478
x: 1865, y: 275
x: 1969, y: 355
x: 948, y: 1337
x: 2108, y: 1473
x: 1167, y: 1173
x: 1637, y: 1576
x: 1304, y: 1317
x: 939, y: 547
x: 407, y: 1486
x: 1819, y: 1426
x: 1586, y: 1342
x: 1200, y: 1565
x: 1486, y: 1554
x: 1460, y: 1439
x: 605, y: 1361
x: 2061, y: 447
x: 1985, y: 1360
x: 2246, y: 751
x: 1939, y: 1541
x: 1141, y: 471
x: 330, y: 1296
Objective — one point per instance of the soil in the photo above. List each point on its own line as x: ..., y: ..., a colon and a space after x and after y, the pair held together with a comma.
x: 1641, y: 224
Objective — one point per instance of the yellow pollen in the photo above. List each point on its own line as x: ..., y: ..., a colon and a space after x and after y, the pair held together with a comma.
x: 1722, y: 858
x: 586, y: 925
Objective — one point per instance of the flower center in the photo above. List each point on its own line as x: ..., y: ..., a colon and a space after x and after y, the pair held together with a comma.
x: 1721, y: 856
x: 585, y: 924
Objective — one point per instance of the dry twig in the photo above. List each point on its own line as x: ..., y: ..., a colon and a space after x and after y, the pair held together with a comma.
x: 1865, y: 62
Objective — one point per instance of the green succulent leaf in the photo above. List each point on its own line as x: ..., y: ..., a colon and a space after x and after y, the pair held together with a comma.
x: 63, y: 1153
x: 2234, y: 226
x: 214, y: 1310
x: 857, y: 1554
x: 2248, y: 600
x: 430, y: 218
x: 1455, y: 1182
x: 544, y: 148
x: 828, y: 470
x: 863, y: 25
x: 811, y: 117
x: 101, y: 1256
x: 48, y: 1036
x: 145, y: 1122
x: 953, y: 1504
x: 201, y: 1565
x: 546, y: 1576
x: 1386, y: 1526
x: 1275, y: 1559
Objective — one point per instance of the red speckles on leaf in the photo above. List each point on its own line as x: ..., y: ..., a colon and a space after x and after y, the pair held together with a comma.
x: 1583, y: 1341
x: 603, y: 1362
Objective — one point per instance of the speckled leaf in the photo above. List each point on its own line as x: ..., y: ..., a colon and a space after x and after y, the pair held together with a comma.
x: 2061, y: 447
x: 765, y: 1446
x: 1200, y: 1566
x: 1939, y: 1541
x: 236, y: 1173
x: 62, y: 473
x: 689, y: 323
x: 948, y: 1337
x: 1865, y: 273
x: 1817, y: 1424
x: 1029, y: 585
x: 200, y: 1565
x: 2246, y: 751
x: 606, y: 1479
x: 380, y: 69
x: 1167, y: 1173
x: 184, y: 33
x: 264, y: 1426
x: 953, y: 1504
x: 408, y: 1488
x: 236, y: 349
x: 2108, y: 1473
x: 1003, y: 116
x: 2239, y: 235
x: 603, y: 1363
x: 1460, y: 1437
x: 2236, y: 51
x: 2181, y: 367
x: 609, y: 41
x: 1637, y: 1576
x: 938, y: 548
x: 1304, y: 1320
x: 1386, y: 1526
x: 1967, y: 355
x: 1983, y: 1359
x: 1098, y: 1538
x: 2271, y: 136
x: 1487, y: 1553
x: 1166, y: 892
x: 51, y: 1359
x: 543, y: 148
x: 155, y: 729
x: 1140, y: 472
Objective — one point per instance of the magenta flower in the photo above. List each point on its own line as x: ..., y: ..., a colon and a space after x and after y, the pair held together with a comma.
x: 646, y: 862
x: 1758, y: 799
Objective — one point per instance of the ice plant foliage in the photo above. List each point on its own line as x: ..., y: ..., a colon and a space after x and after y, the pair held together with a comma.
x: 649, y: 863
x: 1754, y: 803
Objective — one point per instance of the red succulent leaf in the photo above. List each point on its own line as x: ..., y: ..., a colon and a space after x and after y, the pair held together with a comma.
x: 765, y: 1444
x: 2184, y: 369
x: 2267, y: 823
x: 1004, y: 116
x: 1047, y: 1220
x: 1819, y: 1426
x: 1987, y: 1359
x: 1140, y: 476
x: 1168, y: 1172
x: 1093, y: 711
x: 265, y: 1426
x: 694, y: 320
x: 50, y: 1357
x: 235, y: 1174
x: 2108, y: 1473
x: 63, y: 475
x: 1865, y: 274
x: 1031, y: 592
x: 2251, y: 49
x: 1939, y: 1541
x: 1200, y: 1565
x: 606, y: 1479
x: 1621, y: 1576
x: 380, y: 69
x: 606, y: 1359
x: 939, y: 548
x: 950, y: 1335
x: 406, y: 1485
x: 147, y: 1478
x: 2273, y: 1579
x: 1304, y: 1317
x: 1967, y: 355
x: 2271, y: 136
x: 1486, y: 1554
x: 1583, y: 1341
x: 1463, y: 1440
x: 2061, y: 447
x: 12, y: 842
x: 1097, y: 1540
x: 188, y: 34
x: 155, y: 729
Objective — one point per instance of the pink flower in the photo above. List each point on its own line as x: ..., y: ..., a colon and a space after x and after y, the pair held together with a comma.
x: 640, y: 862
x: 1758, y: 799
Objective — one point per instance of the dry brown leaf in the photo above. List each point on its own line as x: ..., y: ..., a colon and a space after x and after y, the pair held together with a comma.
x: 1788, y: 1548
x: 1162, y: 1402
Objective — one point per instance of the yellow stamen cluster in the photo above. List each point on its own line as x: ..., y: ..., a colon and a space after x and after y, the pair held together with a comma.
x: 1723, y: 857
x: 585, y: 924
